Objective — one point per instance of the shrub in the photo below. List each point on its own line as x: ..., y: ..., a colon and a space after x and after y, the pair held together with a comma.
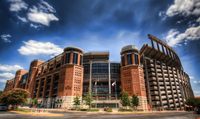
x: 83, y: 109
x: 107, y: 109
x: 125, y: 110
x: 93, y: 110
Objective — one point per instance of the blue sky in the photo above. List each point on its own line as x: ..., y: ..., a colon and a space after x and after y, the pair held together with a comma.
x: 40, y: 29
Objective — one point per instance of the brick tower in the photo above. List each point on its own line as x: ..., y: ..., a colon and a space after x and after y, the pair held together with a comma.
x: 18, y: 76
x: 132, y: 77
x: 32, y: 74
x: 71, y: 83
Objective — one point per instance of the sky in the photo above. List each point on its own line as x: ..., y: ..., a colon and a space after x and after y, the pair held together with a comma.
x: 40, y: 29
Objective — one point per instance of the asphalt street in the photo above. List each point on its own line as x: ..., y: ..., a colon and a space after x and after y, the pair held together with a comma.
x: 174, y: 115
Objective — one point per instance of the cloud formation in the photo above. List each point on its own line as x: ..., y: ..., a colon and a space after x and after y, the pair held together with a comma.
x: 174, y: 37
x: 17, y: 5
x: 33, y: 47
x: 6, y: 38
x: 6, y: 76
x: 184, y: 8
x: 196, y: 82
x: 9, y: 68
x: 39, y: 14
x: 8, y: 72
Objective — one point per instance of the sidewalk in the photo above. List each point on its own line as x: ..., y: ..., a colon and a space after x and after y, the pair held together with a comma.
x: 101, y: 111
x: 47, y: 114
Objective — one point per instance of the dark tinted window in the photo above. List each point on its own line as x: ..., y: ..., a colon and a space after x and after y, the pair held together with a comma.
x: 75, y: 59
x: 100, y: 68
x: 136, y: 59
x: 67, y: 60
x: 123, y: 60
x: 81, y: 59
x: 129, y: 59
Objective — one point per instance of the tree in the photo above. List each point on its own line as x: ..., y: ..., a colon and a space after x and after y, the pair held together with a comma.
x: 14, y: 97
x: 35, y: 102
x: 76, y: 101
x: 125, y: 101
x: 88, y: 99
x: 135, y: 101
x: 1, y: 92
x: 193, y: 102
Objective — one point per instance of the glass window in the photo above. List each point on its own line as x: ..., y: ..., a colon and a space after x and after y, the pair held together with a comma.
x: 75, y: 59
x: 67, y: 60
x: 86, y: 68
x: 115, y: 68
x: 123, y: 60
x: 81, y: 59
x: 136, y: 58
x: 100, y: 68
x: 129, y: 59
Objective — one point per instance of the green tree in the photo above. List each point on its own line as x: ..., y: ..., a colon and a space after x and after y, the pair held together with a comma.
x: 1, y: 92
x: 125, y: 101
x: 194, y: 102
x: 77, y: 101
x: 35, y: 102
x: 88, y: 99
x: 14, y: 97
x: 135, y: 101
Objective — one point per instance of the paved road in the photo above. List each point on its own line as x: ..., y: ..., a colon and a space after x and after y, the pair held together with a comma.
x: 177, y: 115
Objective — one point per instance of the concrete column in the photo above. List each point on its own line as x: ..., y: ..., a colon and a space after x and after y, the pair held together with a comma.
x: 155, y: 68
x: 158, y: 46
x: 152, y: 44
x: 161, y: 65
x: 109, y: 80
x: 147, y: 81
x: 176, y: 86
x: 171, y: 86
x: 90, y: 82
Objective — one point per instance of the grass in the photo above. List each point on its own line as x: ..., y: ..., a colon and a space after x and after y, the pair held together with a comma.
x: 22, y: 110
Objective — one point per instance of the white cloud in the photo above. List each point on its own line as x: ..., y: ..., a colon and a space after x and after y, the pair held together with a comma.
x: 191, y: 77
x: 174, y: 37
x: 6, y: 38
x: 17, y: 5
x: 196, y: 82
x: 44, y: 6
x: 23, y: 19
x: 9, y: 68
x: 8, y: 72
x: 196, y: 92
x: 184, y: 7
x: 6, y: 76
x: 39, y: 16
x: 33, y: 47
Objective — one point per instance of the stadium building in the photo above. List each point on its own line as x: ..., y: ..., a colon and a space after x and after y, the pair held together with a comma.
x: 154, y: 73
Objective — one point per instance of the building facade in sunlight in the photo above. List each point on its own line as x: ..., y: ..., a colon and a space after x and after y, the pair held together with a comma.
x: 154, y: 73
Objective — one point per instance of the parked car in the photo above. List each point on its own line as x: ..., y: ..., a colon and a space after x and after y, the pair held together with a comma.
x: 3, y: 107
